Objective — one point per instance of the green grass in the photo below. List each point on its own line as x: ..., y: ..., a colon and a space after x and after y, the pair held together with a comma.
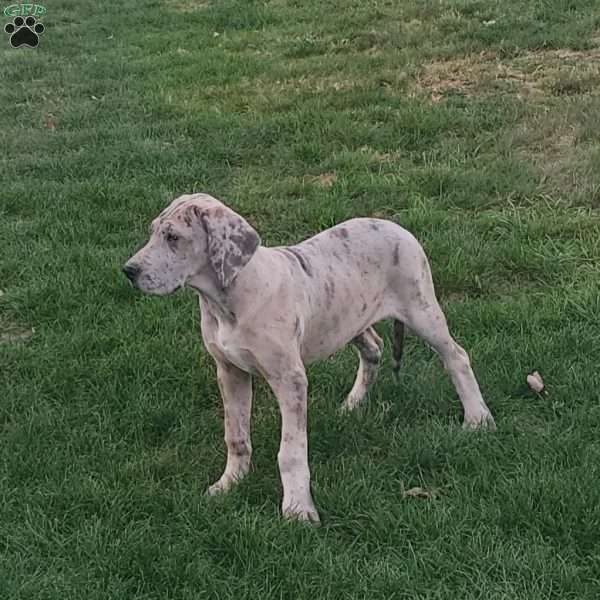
x: 474, y: 124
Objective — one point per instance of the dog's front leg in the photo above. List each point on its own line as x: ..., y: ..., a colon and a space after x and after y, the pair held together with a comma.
x: 290, y: 388
x: 236, y: 391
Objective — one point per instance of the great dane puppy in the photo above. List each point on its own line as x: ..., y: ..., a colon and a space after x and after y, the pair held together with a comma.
x: 272, y: 311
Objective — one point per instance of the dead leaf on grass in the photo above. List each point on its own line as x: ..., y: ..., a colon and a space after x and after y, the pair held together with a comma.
x: 187, y: 6
x: 14, y: 334
x: 419, y: 492
x: 536, y: 383
x: 50, y: 121
x: 325, y: 180
x: 381, y: 214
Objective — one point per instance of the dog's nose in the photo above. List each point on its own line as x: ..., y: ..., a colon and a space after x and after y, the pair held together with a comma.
x: 131, y: 271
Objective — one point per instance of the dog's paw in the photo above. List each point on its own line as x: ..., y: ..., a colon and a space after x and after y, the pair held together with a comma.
x: 348, y: 405
x: 222, y: 486
x: 352, y: 402
x: 481, y: 420
x: 305, y: 512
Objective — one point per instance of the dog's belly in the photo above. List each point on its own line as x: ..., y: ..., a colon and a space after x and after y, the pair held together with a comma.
x: 319, y: 349
x: 333, y: 328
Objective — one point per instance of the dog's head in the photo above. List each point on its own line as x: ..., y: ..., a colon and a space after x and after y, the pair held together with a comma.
x: 194, y: 235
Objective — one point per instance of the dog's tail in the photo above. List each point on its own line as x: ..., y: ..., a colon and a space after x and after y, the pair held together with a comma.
x: 397, y: 346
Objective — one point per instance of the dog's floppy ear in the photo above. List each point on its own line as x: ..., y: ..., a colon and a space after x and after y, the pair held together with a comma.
x: 231, y: 241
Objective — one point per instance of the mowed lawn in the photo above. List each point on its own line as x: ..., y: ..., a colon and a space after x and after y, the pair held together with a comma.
x: 475, y: 124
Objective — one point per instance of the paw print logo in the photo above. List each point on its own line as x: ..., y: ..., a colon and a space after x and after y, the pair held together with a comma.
x: 24, y: 32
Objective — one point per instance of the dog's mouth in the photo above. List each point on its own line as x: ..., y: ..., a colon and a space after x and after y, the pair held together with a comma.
x: 164, y: 291
x: 149, y: 286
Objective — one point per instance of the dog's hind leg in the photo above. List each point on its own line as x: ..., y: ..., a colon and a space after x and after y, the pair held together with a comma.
x: 425, y: 318
x: 370, y: 348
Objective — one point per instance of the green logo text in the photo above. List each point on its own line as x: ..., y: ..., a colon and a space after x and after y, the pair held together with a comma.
x: 23, y: 10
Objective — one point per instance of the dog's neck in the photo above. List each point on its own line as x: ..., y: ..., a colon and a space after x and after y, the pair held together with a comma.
x: 205, y: 285
x: 228, y: 304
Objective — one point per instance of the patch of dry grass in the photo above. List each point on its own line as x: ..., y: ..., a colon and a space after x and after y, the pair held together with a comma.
x: 530, y: 75
x: 187, y: 6
x: 553, y: 143
x: 560, y: 92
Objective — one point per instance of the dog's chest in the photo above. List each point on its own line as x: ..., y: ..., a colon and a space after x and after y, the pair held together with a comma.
x: 222, y: 339
x: 227, y: 343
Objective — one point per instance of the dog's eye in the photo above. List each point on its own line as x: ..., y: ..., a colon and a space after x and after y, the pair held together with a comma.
x: 171, y: 237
